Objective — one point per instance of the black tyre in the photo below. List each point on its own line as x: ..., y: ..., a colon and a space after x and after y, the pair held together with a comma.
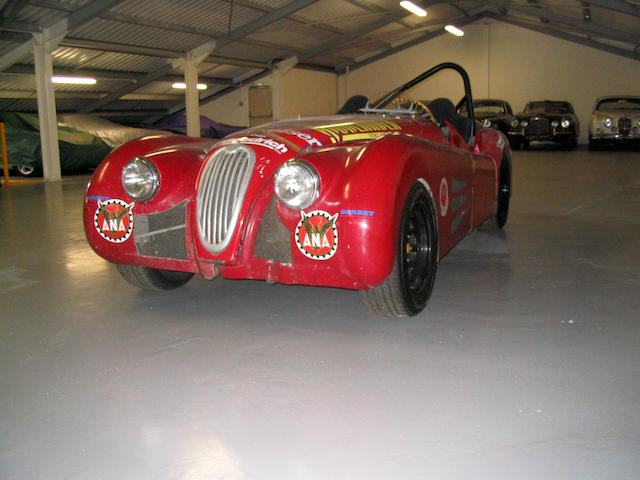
x: 515, y: 143
x: 594, y: 144
x: 569, y: 143
x: 153, y: 278
x: 504, y: 193
x: 408, y: 288
x: 27, y: 170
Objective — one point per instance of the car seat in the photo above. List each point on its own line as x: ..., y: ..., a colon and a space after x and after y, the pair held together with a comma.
x: 443, y: 109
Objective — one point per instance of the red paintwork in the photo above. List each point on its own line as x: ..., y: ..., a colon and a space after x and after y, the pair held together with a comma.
x: 358, y: 174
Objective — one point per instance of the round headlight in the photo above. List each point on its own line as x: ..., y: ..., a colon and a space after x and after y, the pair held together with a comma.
x: 608, y: 122
x: 524, y: 123
x: 487, y: 123
x: 565, y: 123
x: 514, y: 123
x: 297, y: 184
x: 554, y: 124
x: 140, y: 179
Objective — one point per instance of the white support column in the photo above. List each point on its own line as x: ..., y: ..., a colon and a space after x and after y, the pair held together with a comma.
x: 46, y: 109
x: 192, y: 100
x: 277, y: 99
x: 189, y: 63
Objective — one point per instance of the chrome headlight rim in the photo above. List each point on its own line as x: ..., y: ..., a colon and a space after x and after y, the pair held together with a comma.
x: 565, y: 123
x: 554, y: 124
x: 608, y: 122
x: 146, y: 185
x: 302, y: 172
x: 486, y: 123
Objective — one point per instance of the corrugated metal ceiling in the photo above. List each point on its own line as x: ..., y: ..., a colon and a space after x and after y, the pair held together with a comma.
x: 126, y: 42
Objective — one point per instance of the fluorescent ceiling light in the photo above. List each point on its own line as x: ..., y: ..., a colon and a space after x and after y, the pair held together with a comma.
x: 182, y: 85
x: 416, y: 10
x: 454, y: 30
x: 73, y: 80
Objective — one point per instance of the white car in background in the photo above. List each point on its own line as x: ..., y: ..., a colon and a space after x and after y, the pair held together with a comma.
x: 615, y: 121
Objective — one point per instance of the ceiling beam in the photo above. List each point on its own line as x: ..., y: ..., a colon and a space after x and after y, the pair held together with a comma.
x: 567, y: 36
x: 122, y: 91
x: 424, y: 38
x: 62, y: 95
x: 262, y: 22
x: 27, y: 71
x: 73, y: 20
x: 578, y: 24
x: 232, y: 36
x: 617, y: 6
x: 359, y: 32
x: 11, y: 10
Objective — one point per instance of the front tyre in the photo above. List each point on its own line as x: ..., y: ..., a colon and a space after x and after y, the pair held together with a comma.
x: 153, y: 278
x: 407, y: 289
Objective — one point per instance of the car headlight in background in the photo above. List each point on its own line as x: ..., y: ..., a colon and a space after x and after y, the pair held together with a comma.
x: 554, y: 124
x: 486, y: 123
x: 140, y: 179
x: 524, y: 123
x: 565, y: 123
x: 297, y: 184
x: 607, y: 122
x: 514, y: 123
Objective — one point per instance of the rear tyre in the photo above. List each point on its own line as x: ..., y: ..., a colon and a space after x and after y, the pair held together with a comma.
x: 407, y: 289
x: 504, y: 193
x: 153, y: 278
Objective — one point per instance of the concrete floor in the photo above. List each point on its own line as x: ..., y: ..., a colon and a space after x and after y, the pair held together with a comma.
x: 525, y: 365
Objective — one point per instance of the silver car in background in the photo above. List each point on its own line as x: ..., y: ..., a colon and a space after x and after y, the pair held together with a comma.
x: 615, y: 121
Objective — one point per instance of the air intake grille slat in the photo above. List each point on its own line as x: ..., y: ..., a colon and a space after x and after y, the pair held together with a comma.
x: 221, y: 191
x: 624, y: 126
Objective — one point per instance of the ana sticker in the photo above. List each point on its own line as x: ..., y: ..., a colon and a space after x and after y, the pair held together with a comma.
x: 113, y: 220
x: 317, y: 235
x: 444, y: 197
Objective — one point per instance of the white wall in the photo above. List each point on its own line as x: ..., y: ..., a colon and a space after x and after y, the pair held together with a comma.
x: 508, y: 62
x: 309, y: 93
x: 305, y: 92
x: 232, y: 109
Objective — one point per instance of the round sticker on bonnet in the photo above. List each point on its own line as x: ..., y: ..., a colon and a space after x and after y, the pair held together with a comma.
x: 317, y: 235
x: 113, y: 220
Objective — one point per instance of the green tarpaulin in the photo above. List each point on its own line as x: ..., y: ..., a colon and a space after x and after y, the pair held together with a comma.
x: 78, y: 150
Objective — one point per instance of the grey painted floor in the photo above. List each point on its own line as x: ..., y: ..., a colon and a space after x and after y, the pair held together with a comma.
x: 525, y: 365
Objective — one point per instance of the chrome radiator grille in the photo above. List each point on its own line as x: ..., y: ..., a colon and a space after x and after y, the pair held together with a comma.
x: 538, y: 126
x: 624, y: 126
x: 221, y: 190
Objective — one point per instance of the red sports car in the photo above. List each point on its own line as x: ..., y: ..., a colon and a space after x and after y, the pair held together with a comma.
x: 368, y: 201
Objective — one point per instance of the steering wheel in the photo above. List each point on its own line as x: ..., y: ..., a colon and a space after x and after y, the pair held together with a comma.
x: 426, y: 110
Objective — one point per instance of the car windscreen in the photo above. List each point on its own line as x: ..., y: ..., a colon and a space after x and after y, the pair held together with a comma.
x: 548, y: 107
x: 619, y: 104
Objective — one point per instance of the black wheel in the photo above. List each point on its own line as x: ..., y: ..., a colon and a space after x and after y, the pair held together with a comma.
x: 26, y: 170
x: 504, y: 193
x: 153, y: 278
x: 569, y: 143
x: 515, y: 143
x: 408, y: 288
x: 594, y: 144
